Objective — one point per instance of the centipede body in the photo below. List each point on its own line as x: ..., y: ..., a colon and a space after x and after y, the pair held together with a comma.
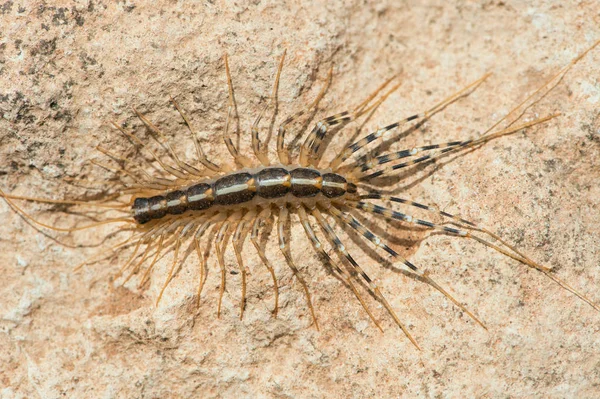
x: 184, y: 200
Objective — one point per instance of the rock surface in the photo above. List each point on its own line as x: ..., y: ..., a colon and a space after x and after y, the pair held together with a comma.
x: 69, y: 68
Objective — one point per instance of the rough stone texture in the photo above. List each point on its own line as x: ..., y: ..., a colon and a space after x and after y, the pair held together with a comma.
x: 67, y: 69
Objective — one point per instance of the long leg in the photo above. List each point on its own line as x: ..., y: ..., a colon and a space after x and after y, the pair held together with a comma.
x: 220, y: 244
x: 162, y: 183
x: 169, y: 169
x: 256, y: 145
x: 261, y: 253
x: 343, y: 273
x: 282, y: 153
x: 27, y: 216
x: 238, y: 239
x: 173, y: 266
x: 180, y: 228
x: 164, y: 141
x: 361, y: 168
x: 202, y: 264
x: 232, y: 109
x: 366, y: 233
x: 517, y: 255
x: 284, y: 245
x: 107, y: 253
x: 310, y: 147
x: 383, y: 132
x: 199, y: 151
x: 451, y: 149
x: 201, y: 258
x: 341, y: 250
x: 552, y: 82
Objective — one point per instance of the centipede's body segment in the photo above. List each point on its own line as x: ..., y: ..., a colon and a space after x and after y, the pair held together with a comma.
x: 252, y: 188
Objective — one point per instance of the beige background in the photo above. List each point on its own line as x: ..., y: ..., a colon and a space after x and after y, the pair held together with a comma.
x: 68, y: 69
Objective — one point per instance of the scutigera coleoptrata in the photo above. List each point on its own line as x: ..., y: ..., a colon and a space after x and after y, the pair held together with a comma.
x: 183, y: 200
x: 423, y: 309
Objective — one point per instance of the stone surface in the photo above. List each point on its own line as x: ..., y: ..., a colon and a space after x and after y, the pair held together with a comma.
x: 69, y: 68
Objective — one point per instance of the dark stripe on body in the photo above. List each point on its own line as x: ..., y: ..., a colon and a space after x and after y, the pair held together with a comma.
x: 239, y: 188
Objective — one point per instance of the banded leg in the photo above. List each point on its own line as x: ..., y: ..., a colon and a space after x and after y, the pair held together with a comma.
x: 256, y: 145
x: 343, y: 273
x: 341, y: 250
x: 466, y: 225
x: 463, y: 145
x: 238, y: 239
x: 311, y: 146
x: 361, y: 168
x: 423, y: 275
x: 284, y: 245
x: 264, y: 214
x: 199, y: 151
x: 282, y: 152
x: 232, y: 109
x: 385, y: 131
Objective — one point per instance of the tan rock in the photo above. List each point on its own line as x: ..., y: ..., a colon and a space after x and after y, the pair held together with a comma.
x: 68, y: 69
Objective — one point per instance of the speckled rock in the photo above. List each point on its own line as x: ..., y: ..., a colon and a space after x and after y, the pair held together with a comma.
x: 67, y: 69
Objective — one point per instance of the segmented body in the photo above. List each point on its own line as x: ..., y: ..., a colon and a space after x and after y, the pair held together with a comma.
x: 261, y: 187
x: 182, y: 202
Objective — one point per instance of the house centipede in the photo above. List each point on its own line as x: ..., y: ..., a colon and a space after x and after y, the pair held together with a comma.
x: 179, y: 202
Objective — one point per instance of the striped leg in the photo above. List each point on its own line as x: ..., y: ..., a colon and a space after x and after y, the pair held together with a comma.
x: 256, y: 145
x: 516, y: 254
x: 423, y: 275
x: 238, y: 239
x: 451, y: 149
x: 341, y: 250
x: 311, y: 146
x: 264, y: 214
x: 385, y: 131
x: 231, y: 110
x: 361, y: 168
x: 282, y: 152
x: 342, y: 272
x: 284, y: 245
x: 199, y: 151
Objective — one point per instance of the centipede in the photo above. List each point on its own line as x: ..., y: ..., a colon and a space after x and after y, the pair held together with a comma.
x: 166, y: 205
